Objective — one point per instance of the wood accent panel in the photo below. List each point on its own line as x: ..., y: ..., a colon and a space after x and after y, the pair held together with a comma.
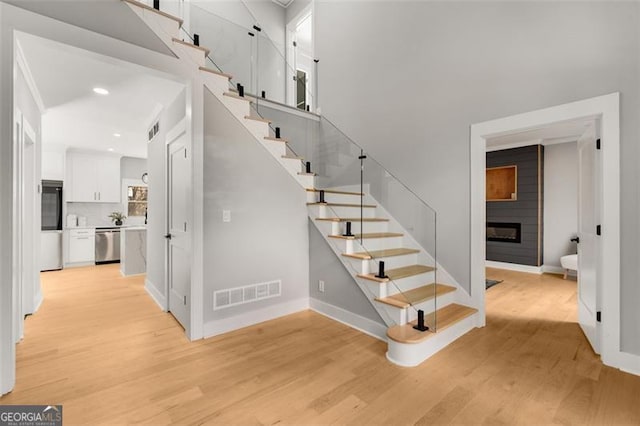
x: 416, y: 295
x: 212, y: 71
x: 186, y: 43
x: 502, y: 183
x: 399, y: 273
x: 101, y: 347
x: 376, y: 254
x: 159, y: 12
x: 368, y: 235
x: 444, y: 318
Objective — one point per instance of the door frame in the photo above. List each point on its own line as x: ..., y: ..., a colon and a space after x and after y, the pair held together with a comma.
x: 291, y: 66
x: 607, y: 109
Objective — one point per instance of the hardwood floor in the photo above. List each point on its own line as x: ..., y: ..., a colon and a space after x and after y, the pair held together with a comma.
x: 101, y: 347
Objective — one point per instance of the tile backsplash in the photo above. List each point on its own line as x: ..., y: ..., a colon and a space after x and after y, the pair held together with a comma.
x: 97, y: 214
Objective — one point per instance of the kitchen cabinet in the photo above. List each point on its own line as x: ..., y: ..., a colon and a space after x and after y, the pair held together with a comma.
x: 93, y: 178
x: 82, y: 244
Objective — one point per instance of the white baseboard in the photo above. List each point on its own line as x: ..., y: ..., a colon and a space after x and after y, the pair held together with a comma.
x: 553, y: 269
x: 38, y: 302
x: 158, y: 297
x: 629, y: 363
x: 360, y: 323
x: 514, y: 267
x: 225, y: 325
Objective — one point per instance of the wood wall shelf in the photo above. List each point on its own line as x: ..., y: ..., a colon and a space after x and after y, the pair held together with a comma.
x: 502, y: 183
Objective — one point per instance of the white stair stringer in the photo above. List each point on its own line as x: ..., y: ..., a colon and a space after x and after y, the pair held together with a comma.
x: 405, y: 354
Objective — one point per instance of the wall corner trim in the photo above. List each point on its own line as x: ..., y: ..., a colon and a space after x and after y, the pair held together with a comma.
x: 247, y: 319
x: 360, y: 323
x: 157, y: 297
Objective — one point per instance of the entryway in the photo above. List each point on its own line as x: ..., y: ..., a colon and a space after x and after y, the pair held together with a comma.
x: 605, y: 110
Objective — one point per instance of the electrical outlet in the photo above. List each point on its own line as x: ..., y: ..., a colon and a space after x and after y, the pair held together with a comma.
x: 226, y: 215
x: 321, y: 286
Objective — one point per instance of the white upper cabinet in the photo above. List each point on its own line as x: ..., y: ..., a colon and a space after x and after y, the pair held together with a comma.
x: 53, y: 164
x: 92, y: 178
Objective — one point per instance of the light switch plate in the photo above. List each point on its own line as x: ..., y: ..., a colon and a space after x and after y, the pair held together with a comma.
x: 226, y: 215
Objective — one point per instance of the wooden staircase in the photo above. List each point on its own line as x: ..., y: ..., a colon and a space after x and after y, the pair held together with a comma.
x: 410, y: 282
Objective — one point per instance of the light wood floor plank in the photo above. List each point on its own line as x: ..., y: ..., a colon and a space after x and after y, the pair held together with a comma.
x: 101, y: 347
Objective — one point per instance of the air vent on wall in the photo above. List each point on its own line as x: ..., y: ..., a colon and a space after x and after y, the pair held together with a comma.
x: 153, y: 131
x: 246, y: 294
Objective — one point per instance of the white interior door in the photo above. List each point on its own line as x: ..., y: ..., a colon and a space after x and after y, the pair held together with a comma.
x: 588, y: 246
x: 179, y: 230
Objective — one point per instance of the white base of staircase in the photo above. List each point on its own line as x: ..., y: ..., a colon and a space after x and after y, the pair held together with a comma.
x: 413, y: 354
x: 225, y: 325
x: 360, y: 323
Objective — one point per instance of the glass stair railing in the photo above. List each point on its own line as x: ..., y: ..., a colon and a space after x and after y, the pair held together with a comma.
x: 384, y: 233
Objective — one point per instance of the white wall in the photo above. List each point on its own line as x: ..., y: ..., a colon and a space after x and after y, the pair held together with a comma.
x: 267, y: 237
x: 560, y: 201
x: 425, y: 71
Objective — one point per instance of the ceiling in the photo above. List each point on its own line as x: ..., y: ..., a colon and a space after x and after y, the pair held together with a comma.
x: 77, y: 117
x: 567, y: 131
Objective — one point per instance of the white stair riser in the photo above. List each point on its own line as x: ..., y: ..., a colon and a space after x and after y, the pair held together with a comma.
x: 431, y: 305
x: 371, y: 244
x: 164, y: 27
x: 337, y: 211
x: 293, y: 166
x: 189, y: 54
x: 313, y: 197
x: 305, y: 180
x: 393, y: 261
x: 238, y: 107
x: 367, y: 226
x: 277, y: 149
x: 409, y: 283
x: 410, y: 355
x: 259, y: 129
x: 216, y: 84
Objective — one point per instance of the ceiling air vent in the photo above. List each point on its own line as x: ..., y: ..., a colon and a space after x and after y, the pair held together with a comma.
x: 249, y: 293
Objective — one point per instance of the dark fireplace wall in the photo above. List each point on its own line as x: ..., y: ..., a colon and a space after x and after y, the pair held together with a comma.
x: 526, y: 210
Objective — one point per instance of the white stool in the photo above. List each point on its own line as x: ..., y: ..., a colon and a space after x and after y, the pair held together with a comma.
x: 569, y: 262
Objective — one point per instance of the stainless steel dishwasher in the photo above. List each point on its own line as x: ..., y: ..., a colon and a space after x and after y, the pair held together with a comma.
x: 107, y: 245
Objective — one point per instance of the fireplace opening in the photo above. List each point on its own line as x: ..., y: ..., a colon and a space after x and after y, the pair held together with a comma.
x: 503, y: 232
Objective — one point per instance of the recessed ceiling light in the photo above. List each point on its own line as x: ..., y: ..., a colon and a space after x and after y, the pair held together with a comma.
x: 117, y: 135
x: 110, y: 149
x: 100, y: 91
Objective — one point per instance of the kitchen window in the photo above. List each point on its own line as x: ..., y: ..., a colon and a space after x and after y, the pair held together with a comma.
x: 136, y: 200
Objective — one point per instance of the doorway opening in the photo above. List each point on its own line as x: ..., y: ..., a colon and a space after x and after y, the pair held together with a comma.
x: 302, y: 67
x: 92, y: 128
x: 604, y: 109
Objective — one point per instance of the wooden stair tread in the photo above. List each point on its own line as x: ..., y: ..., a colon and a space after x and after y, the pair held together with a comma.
x: 366, y: 206
x: 236, y: 96
x: 368, y: 235
x: 159, y: 12
x: 399, y: 273
x: 331, y: 191
x: 271, y: 138
x: 186, y: 43
x: 264, y: 120
x: 216, y: 72
x: 444, y: 318
x: 307, y: 174
x: 352, y: 219
x: 375, y: 254
x: 292, y: 157
x: 416, y: 295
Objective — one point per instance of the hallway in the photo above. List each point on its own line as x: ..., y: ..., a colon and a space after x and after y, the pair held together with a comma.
x: 101, y: 347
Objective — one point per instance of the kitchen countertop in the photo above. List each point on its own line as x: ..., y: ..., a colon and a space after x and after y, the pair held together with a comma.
x: 107, y: 226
